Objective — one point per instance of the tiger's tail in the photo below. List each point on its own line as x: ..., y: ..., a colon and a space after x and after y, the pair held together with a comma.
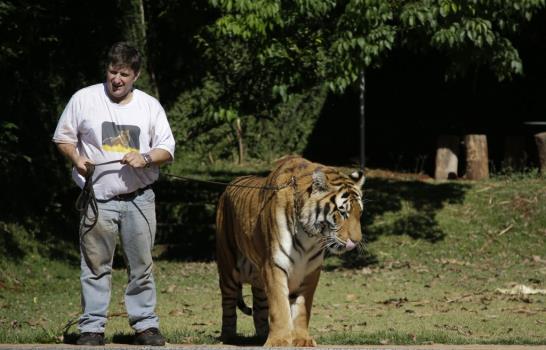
x: 241, y: 303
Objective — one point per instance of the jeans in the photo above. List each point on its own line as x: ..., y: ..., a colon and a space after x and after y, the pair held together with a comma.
x: 134, y: 222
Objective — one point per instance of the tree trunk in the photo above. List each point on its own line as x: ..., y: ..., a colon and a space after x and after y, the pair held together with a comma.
x: 136, y: 32
x: 514, y: 153
x: 239, y: 132
x: 540, y: 140
x: 447, y: 157
x: 477, y: 158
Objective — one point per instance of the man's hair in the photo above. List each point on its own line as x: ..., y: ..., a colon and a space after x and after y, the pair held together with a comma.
x: 124, y: 54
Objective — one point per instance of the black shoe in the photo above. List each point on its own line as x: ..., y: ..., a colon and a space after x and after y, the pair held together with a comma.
x: 89, y: 338
x: 150, y: 336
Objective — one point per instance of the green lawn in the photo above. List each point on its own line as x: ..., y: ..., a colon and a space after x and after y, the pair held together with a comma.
x: 436, y: 255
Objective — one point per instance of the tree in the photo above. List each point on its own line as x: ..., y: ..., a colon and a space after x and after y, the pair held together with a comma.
x: 265, y: 51
x: 136, y: 31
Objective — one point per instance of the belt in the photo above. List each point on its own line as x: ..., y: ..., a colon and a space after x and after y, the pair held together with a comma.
x: 131, y: 195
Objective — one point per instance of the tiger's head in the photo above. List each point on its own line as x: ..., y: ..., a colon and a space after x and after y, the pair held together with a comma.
x: 333, y: 208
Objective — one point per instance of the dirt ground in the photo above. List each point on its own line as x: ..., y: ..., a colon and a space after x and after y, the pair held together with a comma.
x: 322, y: 347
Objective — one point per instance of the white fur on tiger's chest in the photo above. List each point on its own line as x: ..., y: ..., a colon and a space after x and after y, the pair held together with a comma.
x: 298, y: 255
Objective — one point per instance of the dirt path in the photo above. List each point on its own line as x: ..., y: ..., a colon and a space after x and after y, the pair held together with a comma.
x: 323, y: 347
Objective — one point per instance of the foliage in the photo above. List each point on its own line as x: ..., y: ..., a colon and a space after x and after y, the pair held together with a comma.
x: 335, y: 40
x: 263, y: 53
x: 474, y: 33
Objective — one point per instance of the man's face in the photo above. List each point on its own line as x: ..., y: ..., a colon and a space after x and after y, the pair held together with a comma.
x: 119, y: 81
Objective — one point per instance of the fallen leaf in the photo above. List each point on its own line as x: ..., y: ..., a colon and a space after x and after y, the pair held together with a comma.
x: 521, y: 289
x: 176, y: 312
x: 351, y: 297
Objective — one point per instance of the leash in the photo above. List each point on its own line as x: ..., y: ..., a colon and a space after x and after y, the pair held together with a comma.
x: 86, y: 199
x: 292, y: 183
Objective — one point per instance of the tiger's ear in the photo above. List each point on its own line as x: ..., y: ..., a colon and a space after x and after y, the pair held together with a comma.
x: 320, y: 182
x: 359, y: 178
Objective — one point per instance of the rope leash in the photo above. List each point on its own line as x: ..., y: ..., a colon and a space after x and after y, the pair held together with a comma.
x: 86, y: 199
x: 292, y: 183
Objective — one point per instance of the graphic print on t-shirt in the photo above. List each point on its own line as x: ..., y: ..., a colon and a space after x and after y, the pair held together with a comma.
x: 120, y: 138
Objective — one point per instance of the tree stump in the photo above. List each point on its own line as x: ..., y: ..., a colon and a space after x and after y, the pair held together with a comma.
x: 540, y: 140
x: 447, y: 157
x: 477, y: 157
x: 515, y: 157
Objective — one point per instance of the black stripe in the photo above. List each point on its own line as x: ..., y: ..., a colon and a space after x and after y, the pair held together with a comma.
x: 282, y: 269
x: 229, y: 285
x: 260, y: 299
x: 289, y: 217
x: 317, y: 254
x: 257, y: 308
x: 326, y: 209
x: 299, y: 247
x: 285, y: 253
x: 317, y: 211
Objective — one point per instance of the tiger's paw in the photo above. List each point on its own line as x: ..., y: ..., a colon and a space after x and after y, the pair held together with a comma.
x: 304, y: 341
x: 278, y: 341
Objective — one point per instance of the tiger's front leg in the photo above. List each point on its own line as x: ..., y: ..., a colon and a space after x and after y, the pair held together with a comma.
x: 301, y: 310
x: 280, y: 320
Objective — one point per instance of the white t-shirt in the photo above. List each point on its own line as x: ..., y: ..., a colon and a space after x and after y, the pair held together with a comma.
x: 105, y: 131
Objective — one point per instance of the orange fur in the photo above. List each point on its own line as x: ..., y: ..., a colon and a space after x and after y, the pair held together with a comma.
x: 275, y: 241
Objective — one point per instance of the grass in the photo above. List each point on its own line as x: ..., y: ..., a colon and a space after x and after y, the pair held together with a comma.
x: 436, y: 255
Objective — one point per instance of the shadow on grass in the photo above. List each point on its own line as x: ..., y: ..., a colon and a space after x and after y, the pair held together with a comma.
x: 241, y: 340
x: 186, y: 217
x: 117, y: 338
x: 186, y: 214
x: 70, y: 338
x: 123, y: 338
x: 415, y: 204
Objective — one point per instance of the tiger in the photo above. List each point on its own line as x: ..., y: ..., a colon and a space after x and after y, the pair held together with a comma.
x: 272, y: 233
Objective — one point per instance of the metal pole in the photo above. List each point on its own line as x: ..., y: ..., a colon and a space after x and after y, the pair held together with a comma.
x: 362, y: 120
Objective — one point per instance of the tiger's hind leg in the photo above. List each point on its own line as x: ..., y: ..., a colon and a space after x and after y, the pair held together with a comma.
x: 230, y: 291
x: 260, y: 312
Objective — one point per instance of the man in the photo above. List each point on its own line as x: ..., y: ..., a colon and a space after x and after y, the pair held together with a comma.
x: 116, y: 124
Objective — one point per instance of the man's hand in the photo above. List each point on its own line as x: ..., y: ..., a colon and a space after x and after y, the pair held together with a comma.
x: 69, y: 151
x: 134, y: 159
x: 80, y: 165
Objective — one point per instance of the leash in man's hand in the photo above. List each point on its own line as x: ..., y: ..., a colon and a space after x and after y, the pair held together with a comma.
x: 87, y: 200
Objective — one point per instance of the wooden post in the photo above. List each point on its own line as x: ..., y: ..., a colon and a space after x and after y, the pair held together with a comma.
x: 540, y: 140
x: 477, y: 157
x: 447, y: 157
x: 514, y: 153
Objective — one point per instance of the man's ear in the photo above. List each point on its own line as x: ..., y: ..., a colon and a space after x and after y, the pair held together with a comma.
x: 137, y: 75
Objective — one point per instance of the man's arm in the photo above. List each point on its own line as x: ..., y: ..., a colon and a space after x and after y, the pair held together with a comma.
x: 70, y: 152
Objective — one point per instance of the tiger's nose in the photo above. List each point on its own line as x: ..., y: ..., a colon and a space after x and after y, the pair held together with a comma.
x: 349, y: 245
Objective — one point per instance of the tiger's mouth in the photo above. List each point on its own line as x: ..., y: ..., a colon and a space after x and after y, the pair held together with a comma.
x: 338, y: 246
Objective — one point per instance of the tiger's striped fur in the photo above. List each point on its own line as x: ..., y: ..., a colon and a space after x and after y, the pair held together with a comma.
x: 275, y: 241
